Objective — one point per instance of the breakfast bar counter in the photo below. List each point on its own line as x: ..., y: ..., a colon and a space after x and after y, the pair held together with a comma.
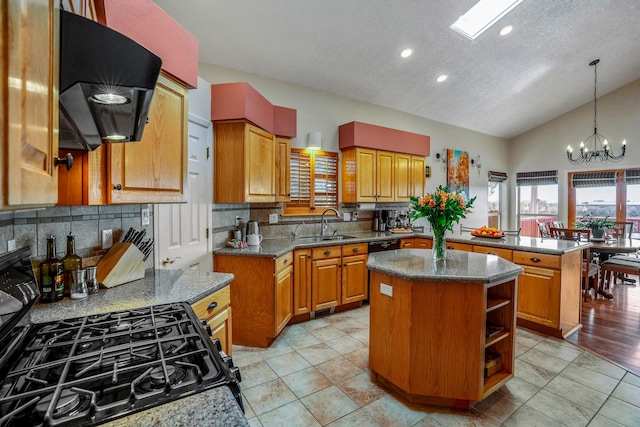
x: 442, y: 333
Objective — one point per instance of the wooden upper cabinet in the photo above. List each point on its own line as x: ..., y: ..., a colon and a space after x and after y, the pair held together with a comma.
x: 385, y: 179
x: 154, y: 170
x: 282, y: 169
x: 402, y: 177
x: 29, y: 96
x: 244, y: 163
x: 418, y: 176
x: 365, y: 175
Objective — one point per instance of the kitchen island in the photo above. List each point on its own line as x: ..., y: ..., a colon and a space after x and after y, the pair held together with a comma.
x: 213, y: 407
x: 442, y: 333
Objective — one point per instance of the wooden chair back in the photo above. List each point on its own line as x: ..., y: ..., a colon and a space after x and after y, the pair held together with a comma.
x: 557, y: 224
x: 570, y: 233
x: 622, y: 229
x: 544, y: 228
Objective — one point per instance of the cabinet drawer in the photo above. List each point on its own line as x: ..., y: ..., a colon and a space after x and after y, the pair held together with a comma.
x: 421, y: 243
x: 536, y: 260
x: 407, y: 243
x: 355, y: 249
x: 502, y: 253
x: 459, y: 246
x: 284, y: 261
x: 206, y: 309
x: 326, y: 252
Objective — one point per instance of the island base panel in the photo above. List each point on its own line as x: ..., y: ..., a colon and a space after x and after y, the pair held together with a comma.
x: 423, y: 400
x: 564, y: 331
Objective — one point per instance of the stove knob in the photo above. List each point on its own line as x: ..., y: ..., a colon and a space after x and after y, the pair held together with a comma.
x: 206, y: 327
x: 236, y: 372
x: 216, y: 342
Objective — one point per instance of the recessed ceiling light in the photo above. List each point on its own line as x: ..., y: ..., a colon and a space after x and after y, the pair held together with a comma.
x: 483, y: 15
x: 506, y: 30
x: 442, y: 78
x: 406, y: 53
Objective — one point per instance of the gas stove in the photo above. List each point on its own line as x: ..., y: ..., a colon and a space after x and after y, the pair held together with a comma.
x: 94, y: 369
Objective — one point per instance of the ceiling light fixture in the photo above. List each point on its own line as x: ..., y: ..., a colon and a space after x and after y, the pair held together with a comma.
x: 442, y: 78
x: 506, y: 30
x: 406, y: 53
x: 596, y: 146
x: 482, y: 16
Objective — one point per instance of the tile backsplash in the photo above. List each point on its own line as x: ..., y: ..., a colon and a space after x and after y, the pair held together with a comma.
x: 32, y: 227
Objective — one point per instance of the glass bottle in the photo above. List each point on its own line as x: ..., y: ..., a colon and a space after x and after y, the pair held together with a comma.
x: 51, y: 272
x: 70, y: 262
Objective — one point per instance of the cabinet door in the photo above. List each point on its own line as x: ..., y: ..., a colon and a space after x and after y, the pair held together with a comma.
x: 154, y: 170
x: 418, y: 176
x: 385, y: 181
x: 259, y: 163
x: 29, y: 96
x: 283, y: 298
x: 283, y: 179
x: 302, y: 281
x: 366, y: 190
x: 460, y: 246
x: 221, y: 328
x: 325, y: 283
x: 423, y: 243
x: 354, y: 278
x: 402, y: 176
x: 538, y: 290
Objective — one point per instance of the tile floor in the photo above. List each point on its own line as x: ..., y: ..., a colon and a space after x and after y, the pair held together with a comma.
x: 316, y: 373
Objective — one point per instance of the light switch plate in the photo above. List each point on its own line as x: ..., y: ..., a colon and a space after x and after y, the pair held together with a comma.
x: 386, y: 289
x: 145, y: 216
x: 346, y: 216
x: 273, y: 218
x: 107, y: 238
x: 11, y: 245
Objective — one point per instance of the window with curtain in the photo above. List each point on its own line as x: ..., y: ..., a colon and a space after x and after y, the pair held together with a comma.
x: 494, y: 198
x: 314, y: 182
x: 537, y: 200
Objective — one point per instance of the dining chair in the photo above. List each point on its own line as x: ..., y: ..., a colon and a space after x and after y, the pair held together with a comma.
x: 544, y: 229
x: 614, y: 267
x: 590, y: 270
x: 557, y: 224
x: 622, y: 230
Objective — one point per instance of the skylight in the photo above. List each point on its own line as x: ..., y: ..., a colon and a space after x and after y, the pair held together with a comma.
x: 482, y: 16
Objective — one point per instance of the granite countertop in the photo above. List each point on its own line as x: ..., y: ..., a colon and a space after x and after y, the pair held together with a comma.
x: 279, y: 246
x: 417, y: 264
x: 158, y: 287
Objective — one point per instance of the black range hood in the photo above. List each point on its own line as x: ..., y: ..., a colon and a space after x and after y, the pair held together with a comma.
x: 106, y: 84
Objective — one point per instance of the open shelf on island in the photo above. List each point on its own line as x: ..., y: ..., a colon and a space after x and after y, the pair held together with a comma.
x: 495, y: 303
x: 495, y: 381
x: 495, y: 338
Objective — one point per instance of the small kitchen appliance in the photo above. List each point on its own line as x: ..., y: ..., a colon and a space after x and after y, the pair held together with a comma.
x: 253, y: 228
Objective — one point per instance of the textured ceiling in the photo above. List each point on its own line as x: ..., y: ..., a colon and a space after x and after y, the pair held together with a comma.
x: 501, y: 86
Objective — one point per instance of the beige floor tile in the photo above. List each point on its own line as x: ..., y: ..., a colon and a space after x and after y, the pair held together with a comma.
x: 358, y: 312
x: 339, y: 369
x: 455, y: 417
x: 292, y: 330
x: 288, y: 363
x: 359, y: 418
x: 532, y: 374
x: 255, y: 374
x: 360, y: 358
x: 248, y: 411
x: 292, y: 414
x: 589, y: 378
x: 243, y: 358
x: 268, y: 396
x: 254, y: 422
x: 389, y: 411
x: 526, y: 416
x: 302, y: 340
x: 362, y: 336
x: 349, y: 325
x: 576, y: 392
x: 631, y: 379
x: 277, y: 348
x: 337, y: 318
x: 561, y: 409
x: 498, y: 406
x: 314, y: 324
x: 306, y: 382
x: 627, y: 393
x: 520, y: 349
x: 329, y: 404
x: 621, y: 412
x: 318, y: 353
x: 591, y: 361
x: 519, y: 389
x: 543, y: 360
x: 345, y: 344
x: 327, y: 333
x: 362, y: 389
x: 600, y: 421
x: 561, y: 349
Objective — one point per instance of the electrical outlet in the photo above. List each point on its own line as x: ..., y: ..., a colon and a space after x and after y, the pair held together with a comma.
x: 237, y: 221
x: 273, y: 218
x: 11, y: 245
x: 107, y: 238
x: 354, y: 216
x: 145, y: 216
x: 346, y: 216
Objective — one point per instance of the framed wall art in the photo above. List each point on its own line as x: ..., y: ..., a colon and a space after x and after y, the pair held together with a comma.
x: 458, y: 171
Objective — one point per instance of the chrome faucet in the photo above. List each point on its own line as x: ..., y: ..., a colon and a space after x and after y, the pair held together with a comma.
x: 295, y: 230
x: 323, y: 223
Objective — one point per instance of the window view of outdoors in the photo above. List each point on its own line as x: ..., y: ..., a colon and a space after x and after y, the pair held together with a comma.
x: 493, y: 204
x: 600, y: 202
x: 537, y: 203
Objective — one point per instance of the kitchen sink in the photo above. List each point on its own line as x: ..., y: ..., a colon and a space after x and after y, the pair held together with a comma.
x: 318, y: 239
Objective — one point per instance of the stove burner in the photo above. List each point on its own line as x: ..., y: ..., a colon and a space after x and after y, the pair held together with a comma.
x: 157, y: 374
x: 120, y: 327
x: 156, y: 379
x: 69, y: 403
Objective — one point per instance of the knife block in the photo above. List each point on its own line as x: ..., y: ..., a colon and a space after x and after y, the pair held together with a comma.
x: 122, y: 264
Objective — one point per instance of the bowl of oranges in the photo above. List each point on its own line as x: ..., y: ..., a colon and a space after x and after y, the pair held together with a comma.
x: 488, y: 232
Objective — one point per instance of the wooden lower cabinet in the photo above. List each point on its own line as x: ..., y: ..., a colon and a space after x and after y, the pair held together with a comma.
x: 354, y: 278
x: 301, y: 281
x: 407, y: 243
x: 284, y: 297
x: 216, y: 310
x: 325, y: 283
x: 459, y: 246
x: 421, y: 243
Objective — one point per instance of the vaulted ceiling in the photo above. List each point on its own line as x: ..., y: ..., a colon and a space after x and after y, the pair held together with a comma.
x: 498, y: 85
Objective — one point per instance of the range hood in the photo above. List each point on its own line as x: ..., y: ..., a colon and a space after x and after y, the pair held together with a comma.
x: 106, y: 84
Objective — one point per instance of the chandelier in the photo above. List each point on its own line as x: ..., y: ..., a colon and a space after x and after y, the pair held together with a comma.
x: 595, y: 147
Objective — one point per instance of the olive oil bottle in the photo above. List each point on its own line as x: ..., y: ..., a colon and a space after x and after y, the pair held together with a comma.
x: 51, y: 280
x: 70, y: 262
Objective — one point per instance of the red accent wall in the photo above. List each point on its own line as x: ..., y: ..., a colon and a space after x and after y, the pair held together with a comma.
x: 357, y: 134
x: 284, y: 122
x: 149, y: 25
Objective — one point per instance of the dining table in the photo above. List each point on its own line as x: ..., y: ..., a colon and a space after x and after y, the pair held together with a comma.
x: 611, y: 246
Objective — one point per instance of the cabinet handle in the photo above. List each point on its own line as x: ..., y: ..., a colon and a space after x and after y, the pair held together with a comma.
x: 535, y: 259
x: 212, y: 305
x: 327, y: 252
x: 67, y: 161
x: 355, y: 249
x: 309, y: 256
x: 285, y: 261
x: 491, y: 253
x: 449, y: 247
x: 117, y: 187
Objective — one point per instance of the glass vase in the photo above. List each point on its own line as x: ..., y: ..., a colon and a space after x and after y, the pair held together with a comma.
x: 439, y: 245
